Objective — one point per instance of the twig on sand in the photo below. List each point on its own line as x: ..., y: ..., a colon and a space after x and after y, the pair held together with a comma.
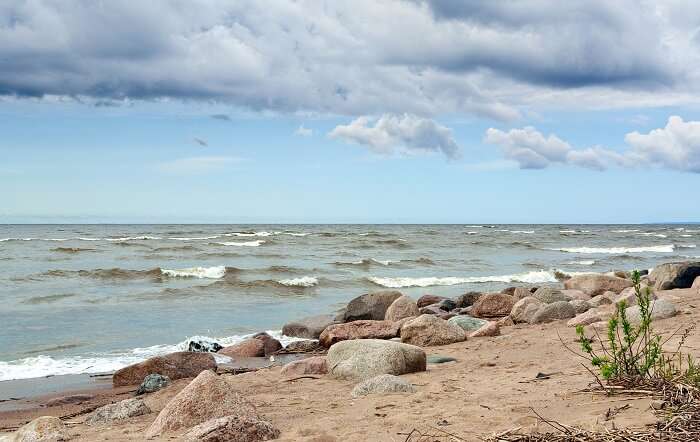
x: 301, y: 377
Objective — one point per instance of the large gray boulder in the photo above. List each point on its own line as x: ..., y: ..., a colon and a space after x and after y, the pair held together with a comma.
x: 549, y: 295
x: 365, y: 358
x: 371, y: 305
x: 595, y: 284
x: 309, y: 327
x: 675, y: 275
x: 232, y: 428
x: 660, y: 309
x: 118, y: 412
x: 553, y: 312
x: 402, y: 307
x: 384, y: 383
x: 525, y: 309
x: 429, y: 330
x: 183, y: 364
x: 42, y: 429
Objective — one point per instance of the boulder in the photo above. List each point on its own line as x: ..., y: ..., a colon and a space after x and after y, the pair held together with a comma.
x: 42, y: 429
x: 426, y: 300
x: 312, y: 365
x: 384, y: 383
x: 207, y: 397
x: 576, y: 294
x: 509, y: 291
x: 488, y: 329
x: 600, y: 300
x: 446, y: 305
x: 523, y: 292
x: 505, y: 321
x: 549, y: 295
x: 309, y: 327
x: 675, y: 275
x: 365, y: 358
x: 247, y: 348
x: 178, y: 365
x: 524, y: 309
x: 428, y: 330
x: 630, y: 296
x: 467, y: 323
x: 310, y: 346
x: 204, y: 346
x: 660, y: 309
x: 585, y: 318
x: 696, y: 283
x: 402, y: 307
x: 371, y: 306
x: 467, y: 299
x: 552, y: 312
x: 361, y: 329
x: 270, y: 344
x: 493, y: 305
x: 232, y: 428
x: 118, y: 412
x: 153, y: 382
x: 596, y: 284
x: 580, y: 305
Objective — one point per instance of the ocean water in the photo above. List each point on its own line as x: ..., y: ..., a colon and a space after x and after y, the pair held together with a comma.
x: 94, y: 298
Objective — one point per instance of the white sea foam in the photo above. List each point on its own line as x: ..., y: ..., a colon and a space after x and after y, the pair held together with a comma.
x: 529, y: 277
x: 251, y: 234
x: 658, y: 235
x: 617, y: 250
x: 43, y: 365
x: 255, y: 243
x: 626, y: 231
x: 197, y: 272
x: 90, y: 239
x: 296, y: 233
x: 304, y: 281
x: 582, y: 262
x: 199, y: 238
x: 133, y: 238
x: 686, y: 246
x: 528, y: 232
x: 472, y: 233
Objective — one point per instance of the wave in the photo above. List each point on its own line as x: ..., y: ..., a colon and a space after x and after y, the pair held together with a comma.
x: 45, y: 365
x: 251, y: 234
x: 195, y: 238
x: 367, y: 262
x: 625, y: 231
x: 686, y: 246
x: 658, y: 235
x: 255, y: 243
x: 46, y: 299
x: 133, y: 238
x: 582, y: 262
x: 174, y: 248
x: 71, y: 250
x: 304, y: 281
x: 114, y: 273
x: 216, y: 272
x: 617, y: 250
x: 540, y: 276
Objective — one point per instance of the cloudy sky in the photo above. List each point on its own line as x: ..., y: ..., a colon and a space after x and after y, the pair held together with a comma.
x: 349, y: 111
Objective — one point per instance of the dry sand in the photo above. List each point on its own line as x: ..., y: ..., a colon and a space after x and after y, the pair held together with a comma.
x: 491, y: 388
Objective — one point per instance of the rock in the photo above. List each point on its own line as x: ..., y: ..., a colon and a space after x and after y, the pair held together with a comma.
x: 467, y: 323
x: 675, y: 275
x: 384, y: 383
x: 696, y: 283
x: 207, y: 397
x: 153, y: 382
x: 402, y: 307
x: 73, y: 399
x: 552, y: 312
x: 660, y: 309
x: 488, y: 329
x: 509, y: 291
x: 310, y: 346
x: 505, y: 321
x: 437, y: 359
x: 270, y: 344
x: 630, y: 296
x: 428, y: 330
x: 118, y: 412
x: 312, y: 365
x: 365, y: 358
x: 371, y: 306
x: 597, y: 284
x: 600, y: 300
x: 493, y: 305
x: 435, y: 310
x: 549, y: 295
x: 232, y: 428
x: 426, y: 300
x: 43, y: 429
x: 585, y: 318
x: 361, y: 329
x: 446, y: 305
x: 309, y: 327
x: 523, y: 292
x: 174, y: 365
x: 467, y: 299
x: 524, y: 309
x: 247, y: 348
x: 580, y: 305
x: 204, y: 346
x: 576, y: 294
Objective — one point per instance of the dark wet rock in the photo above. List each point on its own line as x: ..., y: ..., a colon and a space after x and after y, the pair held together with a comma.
x: 270, y: 344
x: 309, y: 327
x: 437, y: 359
x: 467, y: 299
x: 427, y: 300
x: 153, y: 382
x: 676, y: 275
x: 310, y: 346
x: 509, y: 291
x: 203, y: 346
x: 446, y: 305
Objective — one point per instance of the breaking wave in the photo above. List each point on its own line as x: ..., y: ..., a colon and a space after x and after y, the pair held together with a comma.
x: 529, y: 277
x: 216, y: 272
x: 304, y: 281
x: 618, y: 250
x: 255, y: 243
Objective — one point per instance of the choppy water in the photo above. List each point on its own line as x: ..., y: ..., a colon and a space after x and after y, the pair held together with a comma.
x: 93, y: 298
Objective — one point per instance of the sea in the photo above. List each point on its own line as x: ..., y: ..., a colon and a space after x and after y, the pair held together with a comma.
x: 94, y: 298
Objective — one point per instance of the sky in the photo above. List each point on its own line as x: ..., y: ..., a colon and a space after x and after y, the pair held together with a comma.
x: 363, y: 111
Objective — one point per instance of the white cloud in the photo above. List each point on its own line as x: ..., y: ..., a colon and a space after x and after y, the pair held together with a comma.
x: 399, y: 134
x: 196, y: 165
x: 303, y: 131
x: 529, y: 147
x: 676, y: 146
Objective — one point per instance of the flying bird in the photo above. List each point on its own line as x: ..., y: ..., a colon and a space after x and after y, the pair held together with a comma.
x: 201, y: 142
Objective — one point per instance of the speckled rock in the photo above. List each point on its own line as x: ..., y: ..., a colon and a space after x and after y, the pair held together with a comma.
x: 428, y: 330
x: 232, y: 429
x: 365, y: 358
x: 382, y: 384
x: 553, y: 312
x: 118, y: 412
x: 402, y: 307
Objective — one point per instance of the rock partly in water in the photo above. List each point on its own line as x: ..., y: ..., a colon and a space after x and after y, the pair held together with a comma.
x: 361, y: 329
x: 660, y: 309
x: 207, y: 397
x: 468, y: 323
x: 549, y: 295
x: 204, y: 346
x: 371, y: 306
x: 487, y: 330
x: 365, y: 358
x: 553, y: 312
x: 247, y: 348
x: 308, y: 328
x: 493, y: 305
x: 467, y: 299
x: 308, y: 346
x: 118, y: 412
x: 427, y: 300
x: 153, y: 382
x: 312, y: 365
x: 446, y: 305
x: 428, y: 330
x: 402, y: 307
x: 525, y: 309
x: 42, y: 429
x: 270, y: 344
x: 675, y: 275
x: 596, y: 284
x: 232, y: 428
x: 382, y: 384
x: 178, y: 365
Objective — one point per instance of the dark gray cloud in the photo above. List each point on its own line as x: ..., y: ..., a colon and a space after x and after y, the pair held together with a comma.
x: 348, y: 57
x: 222, y: 117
